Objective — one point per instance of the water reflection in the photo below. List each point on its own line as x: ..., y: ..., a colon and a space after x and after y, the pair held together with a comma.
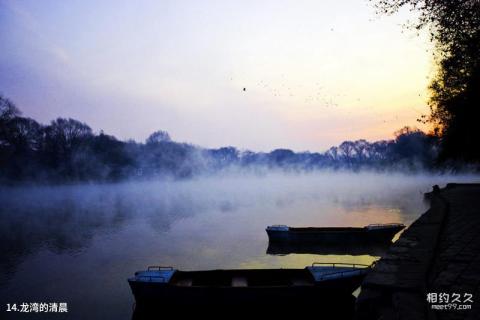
x: 65, y: 219
x: 80, y: 243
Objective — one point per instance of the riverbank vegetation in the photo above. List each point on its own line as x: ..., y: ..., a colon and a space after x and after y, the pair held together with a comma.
x: 67, y: 150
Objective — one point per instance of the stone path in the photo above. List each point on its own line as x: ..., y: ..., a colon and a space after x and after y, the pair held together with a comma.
x: 438, y: 254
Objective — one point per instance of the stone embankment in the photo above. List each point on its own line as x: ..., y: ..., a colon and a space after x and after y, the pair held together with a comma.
x: 433, y: 269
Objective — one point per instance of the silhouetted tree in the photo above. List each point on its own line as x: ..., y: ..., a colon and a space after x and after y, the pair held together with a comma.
x: 455, y: 29
x: 281, y: 157
x: 332, y: 153
x: 8, y: 110
x: 63, y: 137
x: 347, y: 152
x: 168, y: 158
x: 413, y: 147
x: 20, y: 141
x: 360, y: 147
x: 158, y: 136
x: 103, y: 158
x: 223, y: 157
x: 378, y: 151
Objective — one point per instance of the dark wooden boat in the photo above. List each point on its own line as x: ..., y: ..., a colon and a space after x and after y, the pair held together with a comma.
x: 339, y: 248
x: 368, y: 234
x: 167, y: 286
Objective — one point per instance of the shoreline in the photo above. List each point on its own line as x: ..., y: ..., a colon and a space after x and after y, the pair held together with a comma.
x: 424, y: 260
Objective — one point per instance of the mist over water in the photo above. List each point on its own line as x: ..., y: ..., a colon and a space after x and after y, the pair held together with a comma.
x: 80, y: 243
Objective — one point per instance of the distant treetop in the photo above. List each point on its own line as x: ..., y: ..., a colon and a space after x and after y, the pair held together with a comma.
x: 158, y: 136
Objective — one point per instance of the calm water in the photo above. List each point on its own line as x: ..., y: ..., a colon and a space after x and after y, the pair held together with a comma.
x: 78, y: 244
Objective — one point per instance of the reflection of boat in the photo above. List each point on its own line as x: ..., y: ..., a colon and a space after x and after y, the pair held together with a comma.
x: 167, y: 286
x: 353, y: 248
x: 370, y: 233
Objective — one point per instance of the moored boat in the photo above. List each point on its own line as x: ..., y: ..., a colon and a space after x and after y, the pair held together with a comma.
x: 352, y: 248
x: 160, y: 285
x: 370, y: 233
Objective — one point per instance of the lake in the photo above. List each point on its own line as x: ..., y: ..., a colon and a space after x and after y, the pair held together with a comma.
x: 79, y: 243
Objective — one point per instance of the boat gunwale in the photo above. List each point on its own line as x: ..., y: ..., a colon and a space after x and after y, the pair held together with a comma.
x: 369, y: 228
x: 310, y: 279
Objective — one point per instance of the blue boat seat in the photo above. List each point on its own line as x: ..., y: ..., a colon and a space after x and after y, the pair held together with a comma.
x: 163, y: 276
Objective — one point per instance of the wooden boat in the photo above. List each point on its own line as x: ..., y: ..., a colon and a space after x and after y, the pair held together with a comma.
x: 370, y: 233
x: 357, y: 248
x: 167, y: 286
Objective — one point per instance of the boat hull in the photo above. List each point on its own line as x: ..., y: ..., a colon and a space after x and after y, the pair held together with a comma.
x: 155, y: 303
x: 355, y: 248
x: 158, y: 293
x: 333, y: 235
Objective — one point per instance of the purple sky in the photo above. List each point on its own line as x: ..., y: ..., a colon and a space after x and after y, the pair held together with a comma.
x: 315, y: 72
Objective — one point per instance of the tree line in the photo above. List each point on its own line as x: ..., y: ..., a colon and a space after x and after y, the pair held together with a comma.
x: 67, y: 150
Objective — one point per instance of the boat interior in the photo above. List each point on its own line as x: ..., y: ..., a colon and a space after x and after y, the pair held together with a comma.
x: 329, y: 229
x: 354, y: 247
x: 349, y: 229
x: 243, y: 278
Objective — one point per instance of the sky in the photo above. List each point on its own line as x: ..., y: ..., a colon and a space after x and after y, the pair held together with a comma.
x: 315, y: 73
